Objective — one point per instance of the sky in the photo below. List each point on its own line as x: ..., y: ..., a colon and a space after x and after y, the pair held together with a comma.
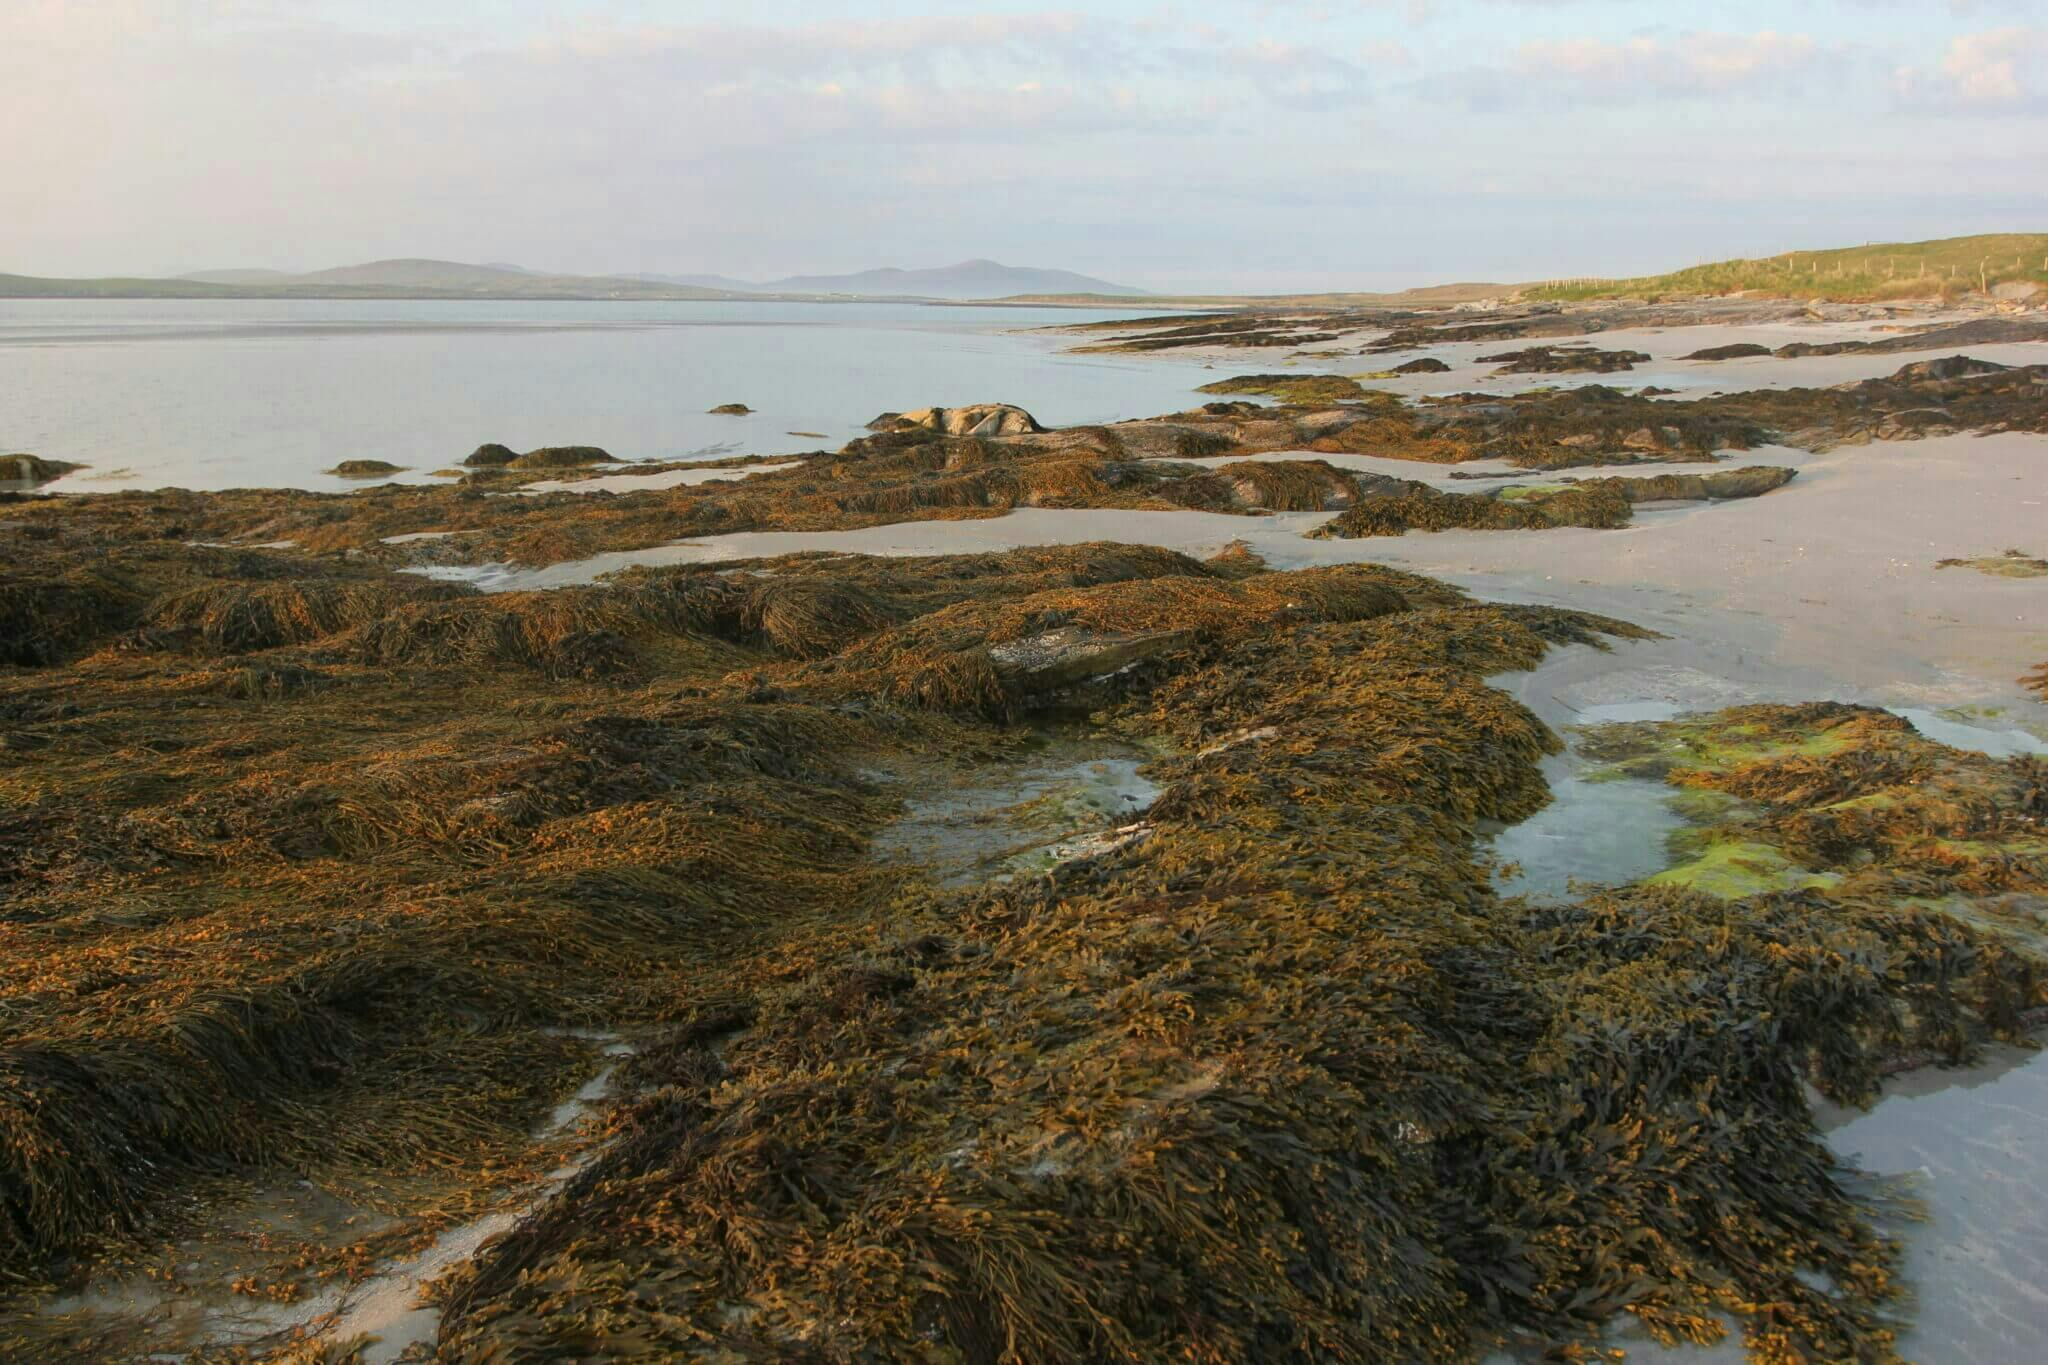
x: 1229, y: 145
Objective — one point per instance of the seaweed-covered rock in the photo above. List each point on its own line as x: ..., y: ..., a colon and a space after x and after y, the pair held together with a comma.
x: 731, y: 410
x: 33, y: 469
x: 1071, y: 654
x: 365, y: 469
x: 1749, y: 482
x: 491, y: 455
x: 1428, y: 364
x: 1565, y: 360
x: 563, y: 457
x: 1948, y: 367
x: 1740, y: 350
x: 1292, y: 388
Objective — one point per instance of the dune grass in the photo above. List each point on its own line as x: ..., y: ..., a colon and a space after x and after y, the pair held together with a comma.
x: 1946, y: 267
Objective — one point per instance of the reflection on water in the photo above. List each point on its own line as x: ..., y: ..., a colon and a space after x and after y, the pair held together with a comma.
x: 267, y: 393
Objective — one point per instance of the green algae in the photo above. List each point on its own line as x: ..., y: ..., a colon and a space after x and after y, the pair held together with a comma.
x: 2011, y: 564
x: 1733, y: 870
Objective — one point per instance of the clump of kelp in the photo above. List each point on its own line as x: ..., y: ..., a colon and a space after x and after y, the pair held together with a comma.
x: 1600, y: 504
x: 312, y: 870
x: 1281, y: 1080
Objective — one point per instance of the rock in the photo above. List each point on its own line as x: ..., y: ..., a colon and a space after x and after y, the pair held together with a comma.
x: 1916, y: 424
x: 976, y: 419
x: 1949, y: 367
x: 563, y: 457
x: 2020, y: 291
x: 365, y: 469
x: 1751, y: 482
x: 1565, y: 360
x: 1739, y: 351
x: 1070, y: 654
x: 1428, y: 364
x: 491, y: 455
x: 731, y: 410
x: 33, y: 469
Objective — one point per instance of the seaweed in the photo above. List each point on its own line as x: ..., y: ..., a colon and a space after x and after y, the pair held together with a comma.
x: 1600, y: 505
x: 1292, y: 388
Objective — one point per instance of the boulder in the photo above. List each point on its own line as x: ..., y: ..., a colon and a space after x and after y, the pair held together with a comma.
x: 563, y: 457
x: 365, y: 469
x: 731, y: 410
x: 1428, y: 364
x: 1069, y: 655
x: 976, y: 419
x: 491, y: 455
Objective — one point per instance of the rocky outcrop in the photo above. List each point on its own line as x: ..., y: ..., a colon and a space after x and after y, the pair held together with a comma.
x: 491, y: 455
x: 1976, y: 332
x: 1070, y: 654
x: 1948, y: 367
x: 975, y: 419
x: 1721, y: 486
x: 1565, y: 360
x: 365, y: 469
x: 1741, y: 350
x: 33, y: 469
x: 563, y: 457
x: 495, y: 456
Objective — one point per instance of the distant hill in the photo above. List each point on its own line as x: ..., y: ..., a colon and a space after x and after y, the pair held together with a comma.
x: 967, y: 280
x: 1886, y: 270
x: 406, y: 278
x: 724, y: 282
x: 416, y: 273
x: 419, y: 277
x: 238, y: 276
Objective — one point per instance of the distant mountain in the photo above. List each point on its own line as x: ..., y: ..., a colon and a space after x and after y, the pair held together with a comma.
x: 967, y: 280
x: 238, y: 276
x: 416, y: 273
x: 703, y: 282
x: 418, y: 277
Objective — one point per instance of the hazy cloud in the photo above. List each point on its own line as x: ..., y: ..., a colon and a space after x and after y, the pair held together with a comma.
x: 1356, y: 137
x: 2003, y: 68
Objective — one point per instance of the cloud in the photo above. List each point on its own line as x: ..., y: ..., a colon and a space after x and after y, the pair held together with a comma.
x: 1687, y: 65
x: 2001, y: 68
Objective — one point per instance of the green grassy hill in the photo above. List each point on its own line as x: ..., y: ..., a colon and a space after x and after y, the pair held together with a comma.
x: 1892, y: 270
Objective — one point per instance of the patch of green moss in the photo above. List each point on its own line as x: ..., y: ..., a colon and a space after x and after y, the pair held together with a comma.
x: 1732, y: 870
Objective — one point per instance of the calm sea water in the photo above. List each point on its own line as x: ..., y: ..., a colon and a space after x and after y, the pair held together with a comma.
x: 269, y: 393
